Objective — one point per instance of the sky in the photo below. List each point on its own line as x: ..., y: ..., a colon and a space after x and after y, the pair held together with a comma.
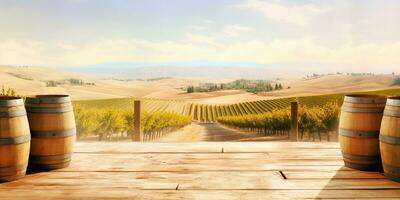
x: 76, y: 33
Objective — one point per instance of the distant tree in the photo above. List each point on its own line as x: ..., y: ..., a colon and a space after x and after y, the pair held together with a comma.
x: 215, y: 87
x: 276, y: 86
x: 269, y: 87
x: 51, y: 83
x: 190, y: 89
x: 396, y: 82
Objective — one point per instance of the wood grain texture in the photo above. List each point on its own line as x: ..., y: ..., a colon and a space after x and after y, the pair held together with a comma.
x: 254, y: 170
x: 13, y: 155
x: 363, y: 114
x: 390, y: 150
x: 52, y: 150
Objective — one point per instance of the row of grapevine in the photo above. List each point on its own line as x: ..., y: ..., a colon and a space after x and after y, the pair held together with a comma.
x: 113, y: 123
x: 317, y: 119
x: 7, y: 92
x: 174, y: 106
x: 210, y: 113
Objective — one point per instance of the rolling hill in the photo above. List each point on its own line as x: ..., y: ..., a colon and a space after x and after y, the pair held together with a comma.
x: 35, y: 80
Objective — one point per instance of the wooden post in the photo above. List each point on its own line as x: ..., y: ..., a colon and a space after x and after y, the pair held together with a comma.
x: 137, y: 134
x: 294, y: 133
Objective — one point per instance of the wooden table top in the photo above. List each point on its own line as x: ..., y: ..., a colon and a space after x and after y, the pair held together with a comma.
x: 205, y: 170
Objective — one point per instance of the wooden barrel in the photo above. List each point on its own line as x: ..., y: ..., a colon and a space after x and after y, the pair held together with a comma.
x: 14, y: 139
x: 359, y: 127
x: 53, y: 131
x: 390, y: 139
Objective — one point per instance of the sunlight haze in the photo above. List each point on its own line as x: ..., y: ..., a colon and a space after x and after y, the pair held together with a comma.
x: 76, y: 33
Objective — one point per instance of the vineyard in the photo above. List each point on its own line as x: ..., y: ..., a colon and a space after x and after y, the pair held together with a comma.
x: 210, y: 113
x: 111, y: 119
x: 312, y: 120
x: 110, y: 123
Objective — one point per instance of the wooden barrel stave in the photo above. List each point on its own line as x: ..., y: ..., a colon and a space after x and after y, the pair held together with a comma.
x: 53, y: 131
x: 390, y: 139
x: 359, y: 127
x: 14, y: 139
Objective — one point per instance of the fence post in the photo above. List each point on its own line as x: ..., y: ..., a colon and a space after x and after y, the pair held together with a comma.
x: 137, y: 134
x: 294, y: 132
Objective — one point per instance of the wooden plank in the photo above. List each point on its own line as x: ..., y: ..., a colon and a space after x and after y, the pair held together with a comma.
x: 246, y: 180
x: 332, y: 174
x: 255, y: 170
x: 195, y: 162
x: 125, y: 193
x: 294, y: 125
x: 137, y: 133
x: 136, y: 147
x: 282, y: 147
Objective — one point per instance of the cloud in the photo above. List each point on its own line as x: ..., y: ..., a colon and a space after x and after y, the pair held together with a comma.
x: 298, y: 51
x: 202, y: 39
x: 235, y: 30
x: 277, y: 11
x: 198, y: 27
x: 307, y: 51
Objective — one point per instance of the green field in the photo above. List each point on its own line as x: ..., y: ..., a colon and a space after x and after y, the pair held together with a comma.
x: 210, y: 113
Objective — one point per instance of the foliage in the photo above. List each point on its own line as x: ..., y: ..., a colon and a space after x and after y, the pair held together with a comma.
x: 254, y: 86
x: 108, y: 122
x: 311, y: 119
x: 52, y: 83
x: 190, y: 89
x: 209, y: 113
x: 158, y: 78
x: 396, y: 82
x: 7, y: 92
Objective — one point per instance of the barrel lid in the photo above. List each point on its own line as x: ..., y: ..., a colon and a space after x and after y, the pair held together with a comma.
x: 52, y: 98
x: 11, y: 101
x: 365, y: 99
x: 393, y: 101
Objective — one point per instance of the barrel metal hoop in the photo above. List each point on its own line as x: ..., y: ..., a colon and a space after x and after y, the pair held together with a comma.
x: 362, y: 110
x: 13, y: 168
x: 48, y: 100
x: 49, y: 110
x: 36, y: 158
x: 50, y: 166
x: 12, y: 177
x: 393, y: 102
x: 363, y: 167
x: 389, y: 139
x: 16, y: 140
x: 363, y: 100
x: 18, y: 113
x: 11, y: 103
x: 391, y: 169
x: 392, y: 177
x: 391, y: 113
x: 358, y: 134
x: 53, y: 134
x: 360, y: 157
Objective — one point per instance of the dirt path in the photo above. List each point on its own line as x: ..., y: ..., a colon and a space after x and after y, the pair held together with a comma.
x: 213, y: 132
